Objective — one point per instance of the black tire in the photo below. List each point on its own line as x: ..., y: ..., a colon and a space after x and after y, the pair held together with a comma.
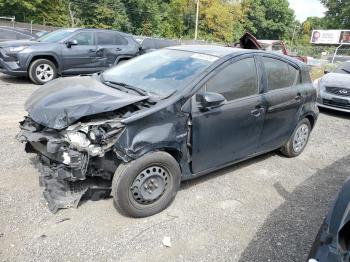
x: 288, y: 149
x: 50, y: 74
x: 126, y: 175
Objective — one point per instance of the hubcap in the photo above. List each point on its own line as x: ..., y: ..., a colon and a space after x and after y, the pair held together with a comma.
x: 149, y: 185
x: 44, y: 72
x: 300, y: 138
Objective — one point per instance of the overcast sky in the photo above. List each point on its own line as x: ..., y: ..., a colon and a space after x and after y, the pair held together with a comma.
x: 306, y: 8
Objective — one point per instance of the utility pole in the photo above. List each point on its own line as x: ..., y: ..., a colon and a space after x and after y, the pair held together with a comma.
x: 196, y: 29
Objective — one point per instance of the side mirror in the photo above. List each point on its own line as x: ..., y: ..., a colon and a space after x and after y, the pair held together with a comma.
x: 208, y: 100
x: 70, y: 43
x: 326, y: 71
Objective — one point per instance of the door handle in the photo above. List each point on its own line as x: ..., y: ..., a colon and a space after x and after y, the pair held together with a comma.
x: 92, y: 50
x: 118, y: 49
x: 257, y: 111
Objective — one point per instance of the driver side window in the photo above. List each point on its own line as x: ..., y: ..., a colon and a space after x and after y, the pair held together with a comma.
x: 84, y: 38
x: 236, y: 80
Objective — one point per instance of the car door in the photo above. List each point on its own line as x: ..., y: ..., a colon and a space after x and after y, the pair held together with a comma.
x: 230, y: 132
x: 110, y: 45
x: 284, y: 101
x: 79, y: 58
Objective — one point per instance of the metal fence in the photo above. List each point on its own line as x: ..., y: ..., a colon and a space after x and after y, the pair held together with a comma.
x: 28, y: 26
x: 330, y: 54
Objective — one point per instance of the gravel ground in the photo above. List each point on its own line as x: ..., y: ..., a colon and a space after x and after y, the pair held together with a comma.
x: 266, y: 209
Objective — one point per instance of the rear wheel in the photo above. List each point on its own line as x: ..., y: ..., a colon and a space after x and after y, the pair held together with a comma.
x: 298, y: 141
x: 147, y: 185
x: 42, y: 71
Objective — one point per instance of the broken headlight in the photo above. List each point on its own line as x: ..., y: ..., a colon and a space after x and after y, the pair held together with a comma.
x: 78, y: 138
x: 96, y: 135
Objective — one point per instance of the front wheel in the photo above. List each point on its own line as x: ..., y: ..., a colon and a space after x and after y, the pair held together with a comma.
x: 298, y: 140
x: 42, y: 71
x: 147, y: 185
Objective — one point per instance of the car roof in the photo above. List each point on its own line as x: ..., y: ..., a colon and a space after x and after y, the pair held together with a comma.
x: 213, y: 50
x: 222, y: 51
x: 101, y: 30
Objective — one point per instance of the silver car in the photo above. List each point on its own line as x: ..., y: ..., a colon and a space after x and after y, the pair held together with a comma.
x: 334, y: 89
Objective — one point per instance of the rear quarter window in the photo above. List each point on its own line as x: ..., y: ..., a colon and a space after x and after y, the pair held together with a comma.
x: 110, y: 38
x: 280, y: 74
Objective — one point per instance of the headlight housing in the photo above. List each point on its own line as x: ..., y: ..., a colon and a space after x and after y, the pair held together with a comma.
x: 16, y: 49
x: 96, y: 135
x: 78, y: 138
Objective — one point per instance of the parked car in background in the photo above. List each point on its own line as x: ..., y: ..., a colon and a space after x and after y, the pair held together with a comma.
x: 40, y: 33
x: 149, y: 44
x: 138, y: 129
x: 332, y: 243
x: 68, y: 51
x: 248, y: 41
x: 334, y: 88
x: 9, y: 33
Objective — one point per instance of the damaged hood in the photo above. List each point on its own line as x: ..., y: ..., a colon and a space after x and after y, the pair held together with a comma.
x: 61, y: 102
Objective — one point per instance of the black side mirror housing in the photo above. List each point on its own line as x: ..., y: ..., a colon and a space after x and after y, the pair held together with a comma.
x: 326, y: 71
x: 208, y: 100
x: 70, y: 43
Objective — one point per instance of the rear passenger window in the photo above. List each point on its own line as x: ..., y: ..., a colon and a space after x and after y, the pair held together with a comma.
x: 237, y: 80
x: 110, y: 38
x: 119, y: 40
x: 280, y: 74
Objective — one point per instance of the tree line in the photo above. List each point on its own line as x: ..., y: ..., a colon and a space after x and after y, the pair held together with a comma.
x: 219, y: 20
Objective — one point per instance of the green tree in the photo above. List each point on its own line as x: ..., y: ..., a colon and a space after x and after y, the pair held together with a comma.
x: 338, y: 14
x: 23, y: 10
x: 106, y: 14
x: 270, y: 19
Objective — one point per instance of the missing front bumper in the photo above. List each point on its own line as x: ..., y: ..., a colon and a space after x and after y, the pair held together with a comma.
x: 62, y: 193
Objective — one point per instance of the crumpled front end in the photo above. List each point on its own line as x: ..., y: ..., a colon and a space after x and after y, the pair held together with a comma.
x: 75, y: 163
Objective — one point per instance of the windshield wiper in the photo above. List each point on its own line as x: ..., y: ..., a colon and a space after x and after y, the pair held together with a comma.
x: 347, y: 71
x: 124, y: 86
x: 133, y: 88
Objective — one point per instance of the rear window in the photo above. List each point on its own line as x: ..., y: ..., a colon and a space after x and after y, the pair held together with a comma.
x: 280, y: 74
x: 110, y: 38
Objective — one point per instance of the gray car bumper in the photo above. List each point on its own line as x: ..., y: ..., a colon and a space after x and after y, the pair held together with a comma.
x: 9, y: 65
x: 330, y: 101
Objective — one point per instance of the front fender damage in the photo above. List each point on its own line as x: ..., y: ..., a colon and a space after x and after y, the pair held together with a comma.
x: 74, y: 168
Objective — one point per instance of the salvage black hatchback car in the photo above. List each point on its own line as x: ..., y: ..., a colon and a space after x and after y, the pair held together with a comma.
x: 136, y: 130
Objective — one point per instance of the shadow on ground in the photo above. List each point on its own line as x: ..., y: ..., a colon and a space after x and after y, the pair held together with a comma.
x: 288, y: 233
x: 8, y: 80
x: 234, y: 167
x: 335, y: 113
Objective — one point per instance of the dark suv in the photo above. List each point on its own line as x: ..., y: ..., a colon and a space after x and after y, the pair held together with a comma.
x: 66, y: 52
x: 136, y: 130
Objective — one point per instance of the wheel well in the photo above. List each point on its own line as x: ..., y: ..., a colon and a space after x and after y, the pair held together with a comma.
x: 311, y: 120
x: 48, y: 57
x: 122, y: 59
x: 174, y: 153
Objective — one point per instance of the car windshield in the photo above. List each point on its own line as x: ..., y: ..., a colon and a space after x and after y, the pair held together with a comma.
x: 161, y: 72
x: 343, y: 68
x: 56, y: 36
